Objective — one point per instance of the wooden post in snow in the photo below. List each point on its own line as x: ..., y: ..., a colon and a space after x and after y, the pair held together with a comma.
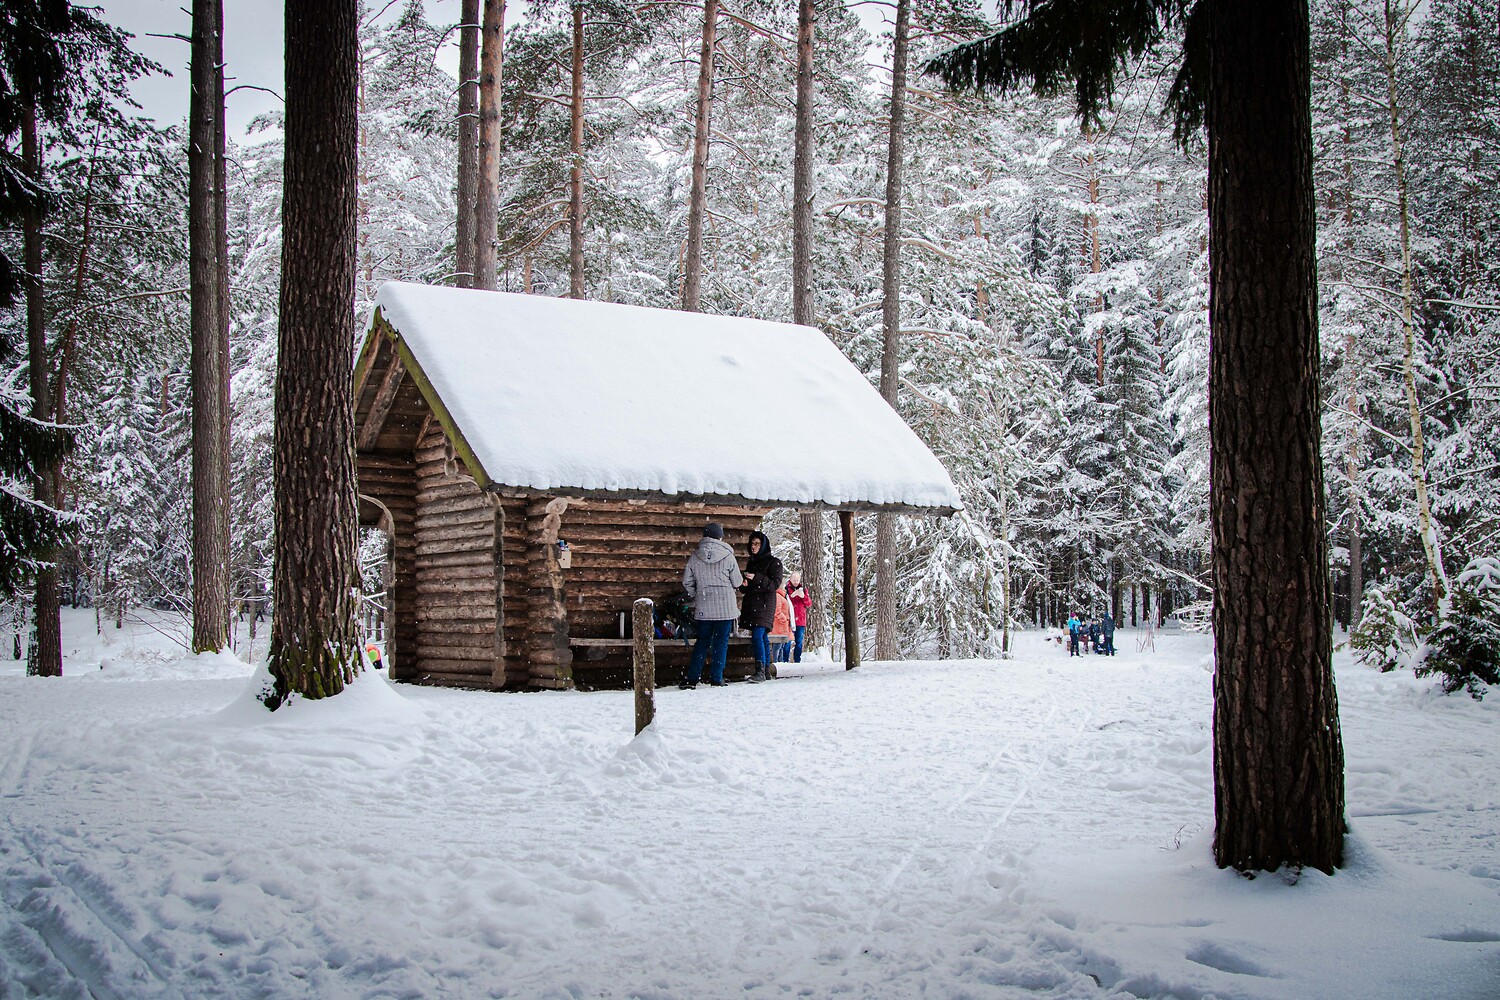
x: 851, y: 598
x: 645, y: 663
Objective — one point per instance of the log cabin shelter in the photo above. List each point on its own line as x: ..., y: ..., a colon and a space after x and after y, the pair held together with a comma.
x: 539, y: 463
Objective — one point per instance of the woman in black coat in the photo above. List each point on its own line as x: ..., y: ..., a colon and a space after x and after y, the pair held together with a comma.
x: 763, y: 576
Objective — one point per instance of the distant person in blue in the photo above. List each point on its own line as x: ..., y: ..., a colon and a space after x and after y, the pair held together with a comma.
x: 712, y: 578
x: 1096, y: 636
x: 1109, y: 633
x: 1073, y: 626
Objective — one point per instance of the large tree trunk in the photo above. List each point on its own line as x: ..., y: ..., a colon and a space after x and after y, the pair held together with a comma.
x: 314, y: 647
x: 210, y: 336
x: 887, y: 645
x: 468, y: 141
x: 692, y: 269
x: 1278, y: 756
x: 44, y: 658
x: 487, y: 201
x: 575, y: 210
x: 802, y: 297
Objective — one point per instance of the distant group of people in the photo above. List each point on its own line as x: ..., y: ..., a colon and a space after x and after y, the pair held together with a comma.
x: 773, y: 605
x: 1096, y: 634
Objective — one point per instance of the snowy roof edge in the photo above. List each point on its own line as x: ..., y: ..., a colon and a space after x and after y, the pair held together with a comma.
x: 379, y: 324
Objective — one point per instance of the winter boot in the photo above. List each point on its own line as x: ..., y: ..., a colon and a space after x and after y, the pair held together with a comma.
x: 758, y: 676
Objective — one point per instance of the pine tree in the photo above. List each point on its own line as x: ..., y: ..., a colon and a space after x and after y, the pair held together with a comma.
x: 314, y: 649
x: 1278, y: 757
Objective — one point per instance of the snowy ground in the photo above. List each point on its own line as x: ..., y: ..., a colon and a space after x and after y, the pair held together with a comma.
x: 1037, y: 827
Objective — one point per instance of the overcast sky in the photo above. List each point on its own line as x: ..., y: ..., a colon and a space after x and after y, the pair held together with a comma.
x: 252, y: 52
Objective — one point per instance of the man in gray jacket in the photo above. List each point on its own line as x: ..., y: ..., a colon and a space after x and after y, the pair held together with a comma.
x: 711, y: 579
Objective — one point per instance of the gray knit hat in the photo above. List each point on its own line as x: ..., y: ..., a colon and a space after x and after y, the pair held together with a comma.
x: 713, y: 529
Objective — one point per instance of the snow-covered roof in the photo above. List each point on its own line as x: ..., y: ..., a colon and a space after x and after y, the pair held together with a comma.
x: 564, y: 395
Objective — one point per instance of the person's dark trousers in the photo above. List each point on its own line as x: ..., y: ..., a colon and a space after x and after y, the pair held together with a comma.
x: 760, y: 642
x: 1072, y: 643
x: 797, y: 643
x: 713, y: 644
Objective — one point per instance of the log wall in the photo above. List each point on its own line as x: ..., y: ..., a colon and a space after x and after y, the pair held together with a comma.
x: 449, y: 575
x: 391, y: 479
x: 456, y: 572
x: 622, y: 550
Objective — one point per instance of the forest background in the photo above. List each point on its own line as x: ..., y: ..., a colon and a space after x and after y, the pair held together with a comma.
x: 1054, y: 291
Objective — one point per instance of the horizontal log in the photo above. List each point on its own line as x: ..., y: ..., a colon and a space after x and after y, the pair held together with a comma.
x: 450, y: 541
x: 440, y: 678
x: 475, y: 627
x: 386, y: 492
x: 455, y: 558
x: 454, y: 666
x: 476, y: 602
x: 441, y: 617
x: 478, y: 649
x: 431, y: 490
x: 480, y: 532
x: 385, y: 461
x: 712, y: 512
x: 479, y: 502
x: 676, y: 519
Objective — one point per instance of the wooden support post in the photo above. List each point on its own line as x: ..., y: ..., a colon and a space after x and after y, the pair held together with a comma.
x: 497, y: 666
x: 645, y: 663
x: 851, y: 598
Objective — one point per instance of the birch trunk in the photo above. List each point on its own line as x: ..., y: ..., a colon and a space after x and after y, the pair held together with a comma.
x: 1427, y: 528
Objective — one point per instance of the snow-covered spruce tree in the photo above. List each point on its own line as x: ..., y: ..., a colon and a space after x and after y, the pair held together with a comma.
x: 1264, y: 396
x: 1454, y: 135
x: 1464, y: 649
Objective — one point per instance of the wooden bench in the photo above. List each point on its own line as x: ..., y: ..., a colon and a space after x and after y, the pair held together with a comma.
x: 734, y: 640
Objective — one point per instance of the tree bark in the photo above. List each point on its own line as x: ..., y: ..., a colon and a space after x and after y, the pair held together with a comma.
x: 812, y: 533
x: 644, y: 660
x: 314, y: 644
x: 1278, y: 757
x: 468, y: 141
x: 487, y: 200
x: 44, y: 658
x: 210, y: 335
x: 575, y: 211
x: 887, y: 644
x: 692, y: 272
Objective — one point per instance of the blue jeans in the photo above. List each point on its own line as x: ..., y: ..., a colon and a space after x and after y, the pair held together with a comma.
x: 713, y: 641
x: 783, y: 652
x: 760, y: 642
x: 797, y: 643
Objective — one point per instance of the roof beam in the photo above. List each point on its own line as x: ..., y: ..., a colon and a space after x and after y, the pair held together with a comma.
x: 380, y: 407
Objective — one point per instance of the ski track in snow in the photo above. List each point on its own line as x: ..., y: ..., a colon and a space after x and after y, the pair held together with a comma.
x: 889, y: 832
